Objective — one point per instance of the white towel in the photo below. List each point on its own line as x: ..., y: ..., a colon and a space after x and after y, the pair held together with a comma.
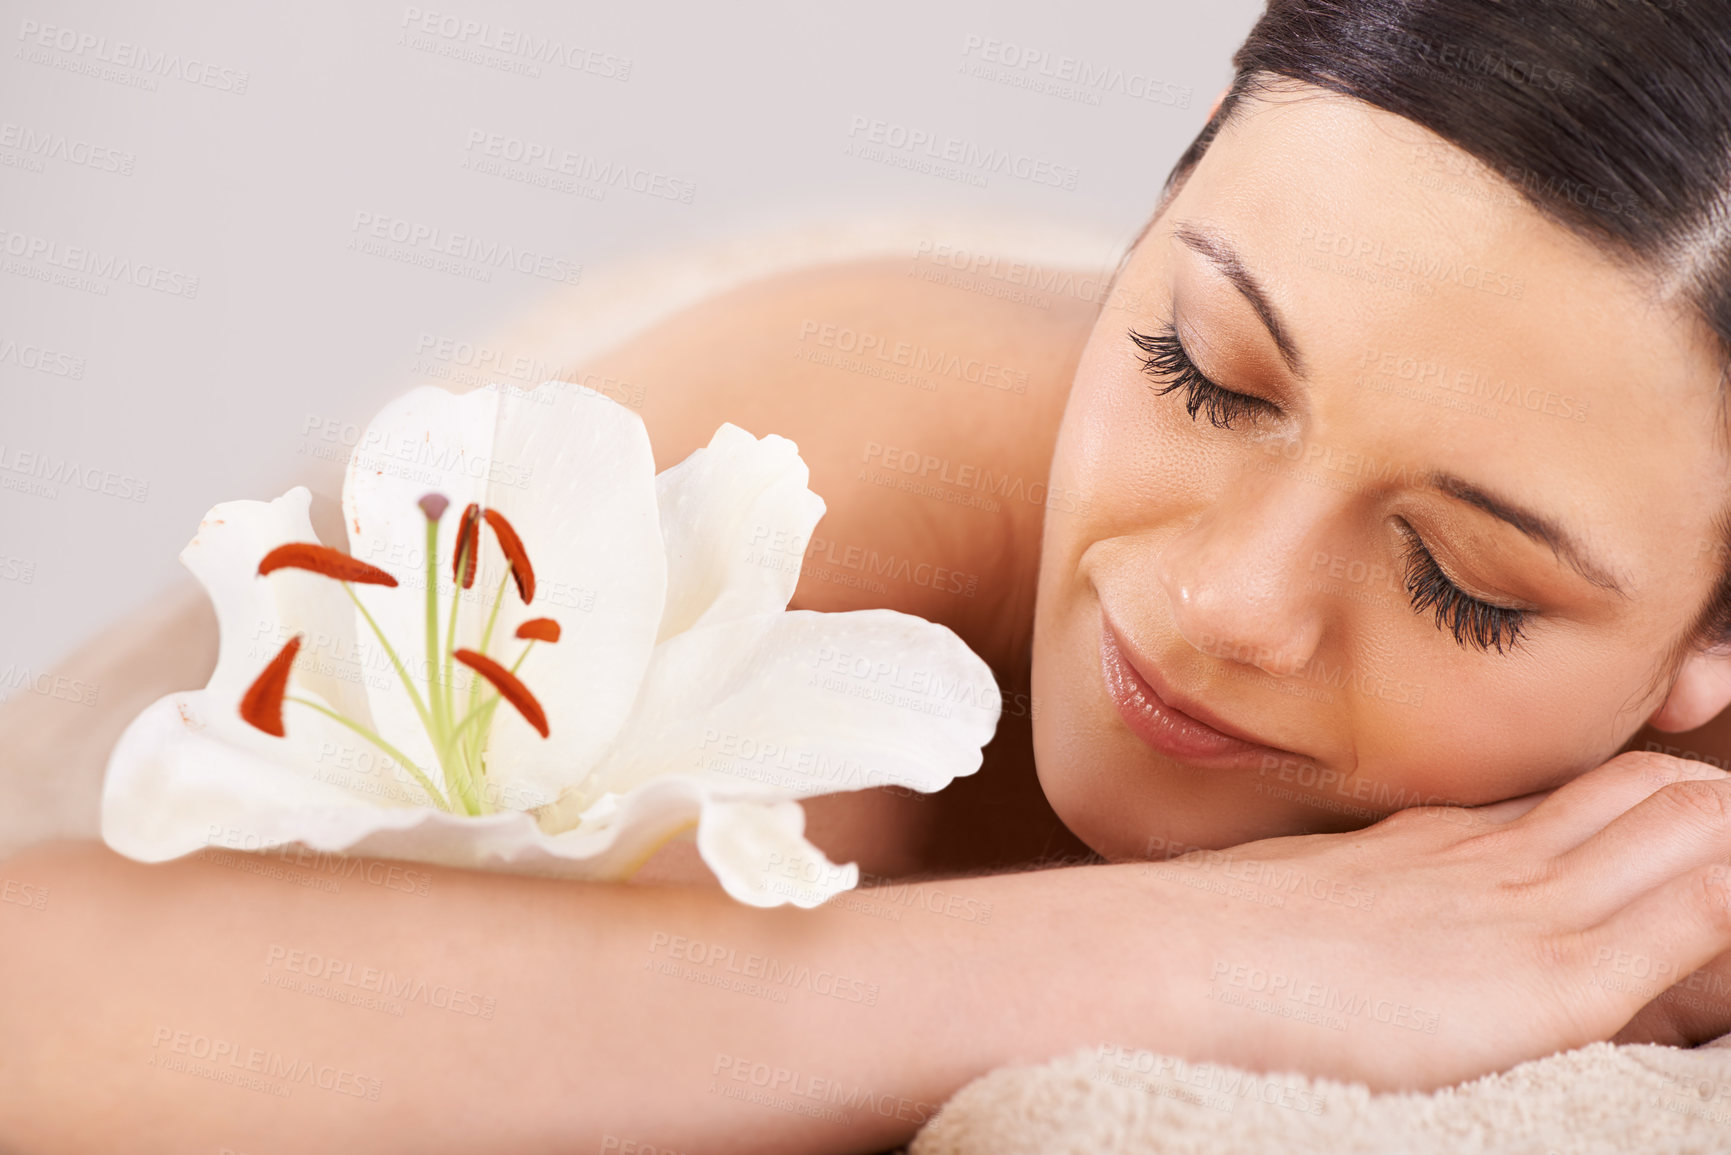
x: 1627, y: 1100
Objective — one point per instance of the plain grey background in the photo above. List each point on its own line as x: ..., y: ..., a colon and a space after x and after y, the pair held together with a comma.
x: 181, y: 181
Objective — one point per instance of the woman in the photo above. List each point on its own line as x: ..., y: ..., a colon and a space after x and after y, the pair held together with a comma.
x: 1389, y: 481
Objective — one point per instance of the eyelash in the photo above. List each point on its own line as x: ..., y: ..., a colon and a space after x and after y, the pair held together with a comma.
x: 1165, y: 359
x: 1473, y: 622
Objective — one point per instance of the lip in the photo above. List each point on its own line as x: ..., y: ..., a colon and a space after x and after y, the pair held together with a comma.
x: 1173, y: 726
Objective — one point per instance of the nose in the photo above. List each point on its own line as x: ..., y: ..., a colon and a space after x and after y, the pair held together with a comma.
x: 1234, y: 577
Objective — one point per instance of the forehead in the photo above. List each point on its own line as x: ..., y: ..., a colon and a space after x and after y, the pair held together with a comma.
x: 1447, y: 324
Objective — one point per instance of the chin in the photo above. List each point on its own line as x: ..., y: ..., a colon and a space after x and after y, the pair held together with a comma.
x: 1103, y: 784
x: 1075, y: 787
x: 1130, y: 811
x: 1125, y: 800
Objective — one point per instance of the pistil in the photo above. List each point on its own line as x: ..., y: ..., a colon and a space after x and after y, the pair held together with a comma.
x: 433, y: 505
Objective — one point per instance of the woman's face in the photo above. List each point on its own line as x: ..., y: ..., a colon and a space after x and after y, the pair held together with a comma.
x: 1428, y: 387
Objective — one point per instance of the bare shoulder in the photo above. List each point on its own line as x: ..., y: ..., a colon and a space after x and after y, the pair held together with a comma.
x: 926, y: 413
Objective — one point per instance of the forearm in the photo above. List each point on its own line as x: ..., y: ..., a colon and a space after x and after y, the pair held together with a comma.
x: 661, y: 1015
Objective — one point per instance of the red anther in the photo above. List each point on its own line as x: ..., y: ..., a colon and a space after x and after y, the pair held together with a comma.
x: 261, y: 705
x: 514, y: 553
x: 468, y: 539
x: 322, y: 559
x: 539, y: 630
x: 509, y: 687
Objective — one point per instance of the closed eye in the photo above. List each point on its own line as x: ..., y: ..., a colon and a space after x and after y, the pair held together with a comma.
x: 1474, y: 623
x: 1164, y: 359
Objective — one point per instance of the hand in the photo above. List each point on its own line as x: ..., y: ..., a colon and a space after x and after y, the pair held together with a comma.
x: 1444, y: 943
x: 1688, y: 1014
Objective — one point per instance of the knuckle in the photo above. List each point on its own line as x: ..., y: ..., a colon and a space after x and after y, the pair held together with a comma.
x: 1524, y: 877
x: 1659, y: 769
x: 1711, y: 891
x: 1427, y: 818
x: 1496, y: 843
x: 1401, y: 819
x: 1562, y: 953
x: 1697, y: 800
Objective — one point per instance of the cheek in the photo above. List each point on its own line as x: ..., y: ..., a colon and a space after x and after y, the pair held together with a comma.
x: 1484, y: 731
x: 1127, y: 449
x: 1085, y: 441
x: 1081, y: 770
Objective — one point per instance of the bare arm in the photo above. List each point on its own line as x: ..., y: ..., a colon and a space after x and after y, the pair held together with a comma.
x: 514, y: 1014
x: 195, y: 993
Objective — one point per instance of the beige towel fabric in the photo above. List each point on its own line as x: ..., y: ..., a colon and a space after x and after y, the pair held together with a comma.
x: 1630, y: 1100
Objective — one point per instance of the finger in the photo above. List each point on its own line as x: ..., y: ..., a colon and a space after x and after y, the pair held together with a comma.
x: 1509, y: 809
x: 1689, y: 1013
x: 1678, y: 828
x: 1654, y: 1023
x: 1664, y: 936
x: 1579, y: 809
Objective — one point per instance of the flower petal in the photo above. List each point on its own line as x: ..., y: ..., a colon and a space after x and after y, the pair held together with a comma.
x: 184, y: 775
x: 178, y: 782
x: 511, y: 840
x: 759, y: 854
x: 799, y: 703
x: 425, y: 441
x: 257, y: 615
x: 736, y: 516
x: 576, y: 477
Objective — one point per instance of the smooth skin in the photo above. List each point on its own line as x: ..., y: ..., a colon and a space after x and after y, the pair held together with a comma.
x: 1491, y: 935
x: 1447, y: 356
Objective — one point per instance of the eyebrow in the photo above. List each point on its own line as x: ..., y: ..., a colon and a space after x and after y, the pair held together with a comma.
x: 1536, y: 526
x: 1539, y: 528
x: 1225, y: 258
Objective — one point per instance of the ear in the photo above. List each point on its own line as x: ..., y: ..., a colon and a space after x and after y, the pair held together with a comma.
x: 1702, y: 690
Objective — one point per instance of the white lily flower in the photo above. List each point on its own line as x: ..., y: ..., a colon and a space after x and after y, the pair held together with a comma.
x: 671, y: 686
